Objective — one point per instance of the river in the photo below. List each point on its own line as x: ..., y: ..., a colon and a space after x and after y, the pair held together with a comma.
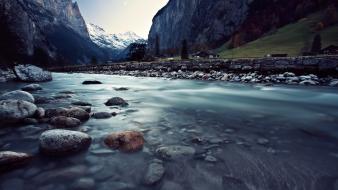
x: 259, y: 137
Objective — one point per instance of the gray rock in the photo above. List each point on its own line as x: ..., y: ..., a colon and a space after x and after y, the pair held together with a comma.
x: 81, y: 103
x: 308, y: 82
x: 102, y: 115
x: 65, y: 122
x: 12, y: 111
x: 31, y: 87
x: 83, y: 184
x: 78, y: 113
x: 175, y: 152
x: 334, y: 83
x: 40, y: 113
x: 31, y: 73
x: 116, y: 101
x: 154, y: 173
x: 85, y: 108
x: 11, y: 160
x: 18, y: 95
x: 61, y: 142
x: 263, y: 141
x: 88, y: 82
x: 210, y: 159
x: 56, y: 112
x: 121, y: 89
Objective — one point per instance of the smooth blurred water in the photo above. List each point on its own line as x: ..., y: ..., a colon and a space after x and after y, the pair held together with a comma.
x: 301, y: 124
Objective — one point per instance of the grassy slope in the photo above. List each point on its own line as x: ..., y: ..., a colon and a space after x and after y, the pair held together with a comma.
x: 289, y: 39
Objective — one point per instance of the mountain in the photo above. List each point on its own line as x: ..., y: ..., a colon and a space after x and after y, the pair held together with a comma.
x: 209, y: 24
x: 44, y: 32
x: 112, y: 41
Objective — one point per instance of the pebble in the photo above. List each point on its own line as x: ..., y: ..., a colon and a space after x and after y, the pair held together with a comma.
x: 154, y: 173
x: 175, y: 152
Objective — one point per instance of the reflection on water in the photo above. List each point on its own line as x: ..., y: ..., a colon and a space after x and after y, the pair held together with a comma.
x: 298, y: 126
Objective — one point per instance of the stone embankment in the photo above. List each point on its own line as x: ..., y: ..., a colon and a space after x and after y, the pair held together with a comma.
x: 290, y: 70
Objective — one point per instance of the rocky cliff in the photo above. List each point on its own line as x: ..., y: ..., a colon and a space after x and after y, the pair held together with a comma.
x: 208, y: 24
x: 44, y: 31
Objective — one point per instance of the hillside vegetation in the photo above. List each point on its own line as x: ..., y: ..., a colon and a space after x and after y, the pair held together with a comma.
x: 291, y: 39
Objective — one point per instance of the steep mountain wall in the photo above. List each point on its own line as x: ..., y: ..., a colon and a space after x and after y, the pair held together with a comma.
x: 40, y: 30
x: 208, y: 24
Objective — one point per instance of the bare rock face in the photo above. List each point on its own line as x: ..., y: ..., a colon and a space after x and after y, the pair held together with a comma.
x: 12, y: 111
x: 11, y: 160
x: 62, y: 142
x: 209, y: 24
x: 128, y: 141
x: 31, y: 73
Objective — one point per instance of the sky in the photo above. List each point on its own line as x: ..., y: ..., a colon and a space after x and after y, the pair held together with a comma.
x: 119, y: 16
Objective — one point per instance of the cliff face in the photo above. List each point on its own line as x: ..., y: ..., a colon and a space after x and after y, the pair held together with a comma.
x: 208, y: 24
x: 40, y: 30
x: 198, y: 21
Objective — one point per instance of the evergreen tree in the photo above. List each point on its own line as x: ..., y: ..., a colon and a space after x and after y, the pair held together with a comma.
x: 184, y: 51
x: 316, y: 44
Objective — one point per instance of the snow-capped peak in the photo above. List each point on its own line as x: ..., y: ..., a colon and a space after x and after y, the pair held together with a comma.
x: 112, y: 41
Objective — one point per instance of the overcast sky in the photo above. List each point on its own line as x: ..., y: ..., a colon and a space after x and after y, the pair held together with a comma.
x: 118, y: 16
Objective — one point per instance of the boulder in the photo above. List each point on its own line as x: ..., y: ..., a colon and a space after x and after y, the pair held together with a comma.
x: 18, y: 95
x: 31, y: 73
x: 55, y: 112
x: 12, y: 111
x: 65, y: 122
x: 102, y: 115
x: 116, y: 101
x: 87, y: 82
x: 154, y: 172
x: 11, y: 160
x: 31, y: 87
x: 78, y: 113
x: 63, y: 142
x: 175, y: 152
x: 85, y: 108
x: 128, y: 141
x: 40, y: 113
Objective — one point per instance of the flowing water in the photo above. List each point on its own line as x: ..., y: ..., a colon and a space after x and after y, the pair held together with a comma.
x: 261, y: 137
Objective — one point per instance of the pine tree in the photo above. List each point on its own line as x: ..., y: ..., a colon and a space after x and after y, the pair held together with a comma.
x: 184, y: 51
x: 316, y: 44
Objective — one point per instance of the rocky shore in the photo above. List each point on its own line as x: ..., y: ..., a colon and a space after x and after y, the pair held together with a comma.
x: 298, y: 70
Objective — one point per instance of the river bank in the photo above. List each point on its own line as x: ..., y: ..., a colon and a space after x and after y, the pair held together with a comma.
x: 297, y: 70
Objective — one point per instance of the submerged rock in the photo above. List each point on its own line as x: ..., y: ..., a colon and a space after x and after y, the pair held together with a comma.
x: 334, y: 83
x: 154, y: 172
x: 116, y: 101
x: 175, y: 152
x: 81, y: 103
x: 121, y: 89
x: 102, y: 115
x: 31, y: 87
x: 83, y: 184
x: 78, y: 113
x: 61, y: 142
x: 56, y: 112
x: 11, y: 160
x: 12, y: 111
x: 87, y: 82
x: 31, y: 73
x: 18, y: 95
x: 65, y: 122
x: 128, y: 141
